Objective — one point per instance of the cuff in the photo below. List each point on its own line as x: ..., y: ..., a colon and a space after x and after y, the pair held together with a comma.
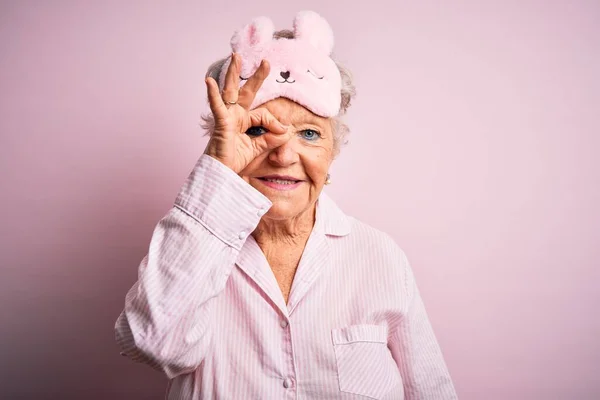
x: 222, y: 201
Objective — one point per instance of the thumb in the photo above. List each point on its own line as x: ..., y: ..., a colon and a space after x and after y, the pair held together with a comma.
x: 270, y: 141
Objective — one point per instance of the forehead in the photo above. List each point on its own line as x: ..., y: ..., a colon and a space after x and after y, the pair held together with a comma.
x: 290, y: 112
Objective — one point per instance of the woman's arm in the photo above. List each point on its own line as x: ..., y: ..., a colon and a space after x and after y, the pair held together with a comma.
x: 416, y: 350
x: 193, y: 249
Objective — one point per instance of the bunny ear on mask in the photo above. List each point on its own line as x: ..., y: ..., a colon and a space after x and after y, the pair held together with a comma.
x: 311, y: 27
x: 256, y: 35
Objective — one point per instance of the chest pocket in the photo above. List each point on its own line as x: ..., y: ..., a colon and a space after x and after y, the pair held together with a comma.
x: 364, y: 363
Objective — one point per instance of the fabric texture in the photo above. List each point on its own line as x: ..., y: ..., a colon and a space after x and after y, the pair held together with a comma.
x: 208, y: 312
x: 301, y: 68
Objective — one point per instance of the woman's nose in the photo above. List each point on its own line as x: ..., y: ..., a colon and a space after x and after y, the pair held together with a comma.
x: 285, y: 154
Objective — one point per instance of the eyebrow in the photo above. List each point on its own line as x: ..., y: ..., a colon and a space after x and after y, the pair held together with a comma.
x: 311, y: 120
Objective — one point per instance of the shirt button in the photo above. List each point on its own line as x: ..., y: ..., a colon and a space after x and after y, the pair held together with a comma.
x: 287, y: 383
x: 242, y: 235
x: 261, y: 212
x: 283, y: 323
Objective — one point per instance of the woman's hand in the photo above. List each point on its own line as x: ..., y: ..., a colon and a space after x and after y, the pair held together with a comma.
x: 229, y: 143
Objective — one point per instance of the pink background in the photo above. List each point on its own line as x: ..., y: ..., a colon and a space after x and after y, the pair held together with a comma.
x: 474, y: 138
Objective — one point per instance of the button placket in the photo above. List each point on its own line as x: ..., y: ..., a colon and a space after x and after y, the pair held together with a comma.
x: 289, y: 372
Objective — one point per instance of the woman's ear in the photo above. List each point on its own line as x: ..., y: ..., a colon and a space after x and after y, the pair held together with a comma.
x: 256, y: 35
x: 311, y: 27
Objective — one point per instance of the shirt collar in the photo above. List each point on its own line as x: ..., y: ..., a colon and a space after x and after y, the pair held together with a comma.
x: 330, y: 218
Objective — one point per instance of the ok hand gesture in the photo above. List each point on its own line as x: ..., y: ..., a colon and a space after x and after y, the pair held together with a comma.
x: 229, y: 143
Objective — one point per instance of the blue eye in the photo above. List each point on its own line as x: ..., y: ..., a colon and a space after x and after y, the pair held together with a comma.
x: 256, y: 131
x: 310, y: 134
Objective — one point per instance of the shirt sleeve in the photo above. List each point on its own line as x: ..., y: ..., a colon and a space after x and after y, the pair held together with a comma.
x: 165, y: 322
x: 416, y: 350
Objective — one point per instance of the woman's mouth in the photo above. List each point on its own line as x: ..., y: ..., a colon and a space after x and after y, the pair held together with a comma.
x: 280, y: 183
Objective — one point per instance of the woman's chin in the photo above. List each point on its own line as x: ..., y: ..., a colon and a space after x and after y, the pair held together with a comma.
x: 283, y: 210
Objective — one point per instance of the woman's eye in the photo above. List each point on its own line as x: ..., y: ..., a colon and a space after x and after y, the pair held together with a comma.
x: 256, y: 131
x: 310, y: 134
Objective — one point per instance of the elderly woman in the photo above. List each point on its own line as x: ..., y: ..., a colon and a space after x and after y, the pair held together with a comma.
x: 256, y: 285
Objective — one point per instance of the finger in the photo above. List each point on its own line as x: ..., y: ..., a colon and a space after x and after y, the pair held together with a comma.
x: 270, y: 141
x: 215, y: 101
x: 262, y: 117
x: 232, y: 80
x: 250, y: 88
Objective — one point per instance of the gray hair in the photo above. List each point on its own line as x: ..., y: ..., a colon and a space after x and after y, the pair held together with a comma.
x: 339, y: 128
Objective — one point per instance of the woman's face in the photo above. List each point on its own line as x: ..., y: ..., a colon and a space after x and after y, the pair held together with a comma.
x: 292, y: 175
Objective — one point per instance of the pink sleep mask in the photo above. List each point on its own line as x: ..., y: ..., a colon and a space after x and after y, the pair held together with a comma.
x: 301, y: 68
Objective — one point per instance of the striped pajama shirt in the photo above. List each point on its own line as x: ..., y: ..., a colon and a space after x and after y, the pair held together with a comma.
x: 208, y: 312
